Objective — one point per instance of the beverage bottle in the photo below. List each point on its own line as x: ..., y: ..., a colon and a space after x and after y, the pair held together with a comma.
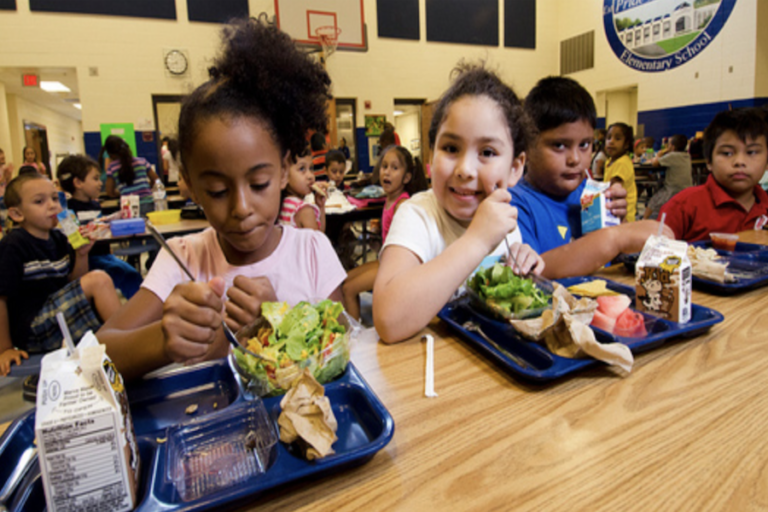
x: 158, y: 194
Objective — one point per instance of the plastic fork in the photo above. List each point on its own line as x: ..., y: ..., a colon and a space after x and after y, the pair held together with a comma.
x: 473, y: 327
x: 227, y: 331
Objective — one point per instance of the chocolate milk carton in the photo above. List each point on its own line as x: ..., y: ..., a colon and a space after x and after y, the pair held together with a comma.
x: 87, y: 448
x: 663, y: 279
x: 594, y: 214
x: 130, y: 207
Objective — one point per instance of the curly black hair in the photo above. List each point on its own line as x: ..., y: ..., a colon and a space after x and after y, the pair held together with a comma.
x: 260, y: 74
x: 474, y: 79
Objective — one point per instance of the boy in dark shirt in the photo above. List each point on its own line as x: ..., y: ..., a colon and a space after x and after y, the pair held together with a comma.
x: 336, y: 167
x: 736, y: 150
x: 41, y: 275
x: 80, y: 176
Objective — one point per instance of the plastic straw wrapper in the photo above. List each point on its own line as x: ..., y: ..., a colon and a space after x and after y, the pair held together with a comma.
x: 429, y: 376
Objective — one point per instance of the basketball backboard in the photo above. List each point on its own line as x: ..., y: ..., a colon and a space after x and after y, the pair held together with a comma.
x: 300, y: 19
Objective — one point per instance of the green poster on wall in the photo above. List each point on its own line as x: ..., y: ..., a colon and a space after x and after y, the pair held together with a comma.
x: 122, y: 130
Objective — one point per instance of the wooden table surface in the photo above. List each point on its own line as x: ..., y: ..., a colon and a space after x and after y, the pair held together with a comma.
x: 684, y: 431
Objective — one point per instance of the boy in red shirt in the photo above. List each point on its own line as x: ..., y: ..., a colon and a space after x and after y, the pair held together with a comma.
x: 736, y: 149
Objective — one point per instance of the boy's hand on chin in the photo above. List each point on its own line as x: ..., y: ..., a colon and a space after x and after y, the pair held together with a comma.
x: 617, y: 200
x: 192, y: 320
x: 245, y: 299
x: 494, y: 219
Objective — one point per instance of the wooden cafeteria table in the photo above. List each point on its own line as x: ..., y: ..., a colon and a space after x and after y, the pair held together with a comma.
x: 684, y: 431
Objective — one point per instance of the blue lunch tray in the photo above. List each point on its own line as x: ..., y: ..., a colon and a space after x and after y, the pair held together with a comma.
x: 159, y: 404
x: 544, y: 366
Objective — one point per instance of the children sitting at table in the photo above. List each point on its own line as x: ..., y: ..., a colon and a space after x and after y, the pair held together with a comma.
x: 677, y: 176
x: 548, y: 199
x: 438, y: 238
x: 336, y: 167
x: 400, y: 177
x: 619, y: 168
x: 731, y: 200
x: 237, y: 132
x: 294, y: 210
x: 79, y: 175
x: 41, y: 275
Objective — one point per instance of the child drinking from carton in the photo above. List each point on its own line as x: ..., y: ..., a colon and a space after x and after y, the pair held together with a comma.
x: 41, y: 275
x: 548, y: 199
x: 478, y: 134
x: 237, y: 134
x: 731, y: 200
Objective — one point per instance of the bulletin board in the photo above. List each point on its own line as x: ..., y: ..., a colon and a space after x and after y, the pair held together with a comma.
x: 123, y: 130
x: 374, y: 125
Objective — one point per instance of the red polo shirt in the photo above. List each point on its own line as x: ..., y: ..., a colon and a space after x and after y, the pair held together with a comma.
x: 696, y: 212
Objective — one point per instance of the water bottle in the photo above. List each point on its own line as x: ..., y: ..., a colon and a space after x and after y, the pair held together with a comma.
x: 158, y: 194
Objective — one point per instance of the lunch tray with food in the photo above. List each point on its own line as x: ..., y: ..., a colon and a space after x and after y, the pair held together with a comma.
x: 748, y: 263
x: 533, y: 361
x: 205, y: 443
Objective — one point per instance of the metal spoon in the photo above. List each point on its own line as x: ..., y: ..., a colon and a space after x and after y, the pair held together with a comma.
x: 227, y: 331
x: 473, y: 327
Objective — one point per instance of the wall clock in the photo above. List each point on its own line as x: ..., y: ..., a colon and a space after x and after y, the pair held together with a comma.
x: 176, y: 62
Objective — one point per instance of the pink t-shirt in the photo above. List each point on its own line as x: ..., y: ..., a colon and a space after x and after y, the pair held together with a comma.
x: 388, y: 214
x: 290, y: 206
x: 304, y: 265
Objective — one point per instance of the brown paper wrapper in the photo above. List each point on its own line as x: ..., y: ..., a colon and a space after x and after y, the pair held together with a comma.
x: 565, y: 331
x: 307, y: 419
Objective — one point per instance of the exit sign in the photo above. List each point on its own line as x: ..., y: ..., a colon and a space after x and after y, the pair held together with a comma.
x: 30, y: 80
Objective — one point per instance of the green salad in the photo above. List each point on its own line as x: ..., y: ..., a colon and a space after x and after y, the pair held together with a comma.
x: 501, y: 289
x: 305, y: 336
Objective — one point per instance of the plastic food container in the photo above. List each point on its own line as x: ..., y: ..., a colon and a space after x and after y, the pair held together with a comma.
x: 221, y: 450
x: 165, y: 217
x: 724, y: 241
x: 125, y: 227
x: 326, y: 365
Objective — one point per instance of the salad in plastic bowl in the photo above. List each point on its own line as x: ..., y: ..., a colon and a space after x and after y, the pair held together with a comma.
x: 291, y: 339
x: 497, y: 290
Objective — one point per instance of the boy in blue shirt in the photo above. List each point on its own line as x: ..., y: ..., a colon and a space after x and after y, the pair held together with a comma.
x: 548, y: 199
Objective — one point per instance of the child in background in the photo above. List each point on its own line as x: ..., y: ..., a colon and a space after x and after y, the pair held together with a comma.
x: 549, y: 198
x: 336, y: 167
x: 30, y: 160
x: 619, y: 168
x: 677, y: 176
x: 237, y: 134
x: 41, y: 275
x: 598, y: 160
x: 128, y: 175
x: 301, y: 182
x: 638, y: 151
x: 400, y: 177
x: 736, y: 149
x: 79, y: 175
x: 439, y: 237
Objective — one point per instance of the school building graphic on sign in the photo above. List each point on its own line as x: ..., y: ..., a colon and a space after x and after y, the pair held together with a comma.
x: 666, y: 33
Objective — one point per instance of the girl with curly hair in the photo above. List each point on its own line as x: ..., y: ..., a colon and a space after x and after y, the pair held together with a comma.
x: 238, y: 133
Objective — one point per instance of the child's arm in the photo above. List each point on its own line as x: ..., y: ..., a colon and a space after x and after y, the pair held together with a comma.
x: 111, y: 187
x: 588, y: 253
x: 408, y: 294
x: 81, y: 262
x: 146, y: 333
x: 8, y: 354
x: 305, y: 218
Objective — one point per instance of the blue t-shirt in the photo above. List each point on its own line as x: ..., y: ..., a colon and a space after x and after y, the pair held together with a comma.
x: 547, y: 222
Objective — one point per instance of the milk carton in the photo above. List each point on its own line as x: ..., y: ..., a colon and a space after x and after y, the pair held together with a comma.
x: 87, y: 448
x: 663, y: 279
x: 130, y: 207
x: 594, y: 214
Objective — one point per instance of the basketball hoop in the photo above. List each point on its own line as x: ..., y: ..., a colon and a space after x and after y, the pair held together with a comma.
x: 329, y: 38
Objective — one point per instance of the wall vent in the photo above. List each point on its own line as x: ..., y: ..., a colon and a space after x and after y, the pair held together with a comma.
x: 577, y: 53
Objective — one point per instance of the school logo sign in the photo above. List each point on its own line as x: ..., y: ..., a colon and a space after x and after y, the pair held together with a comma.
x: 657, y: 35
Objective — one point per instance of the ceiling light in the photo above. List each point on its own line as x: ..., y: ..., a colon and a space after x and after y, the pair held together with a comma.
x: 54, y: 87
x: 77, y: 106
x: 399, y: 112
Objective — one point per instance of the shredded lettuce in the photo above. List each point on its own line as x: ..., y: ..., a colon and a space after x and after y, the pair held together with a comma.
x: 500, y: 287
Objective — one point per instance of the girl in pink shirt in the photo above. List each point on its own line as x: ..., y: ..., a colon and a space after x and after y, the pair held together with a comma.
x: 301, y: 182
x: 400, y: 176
x: 237, y: 133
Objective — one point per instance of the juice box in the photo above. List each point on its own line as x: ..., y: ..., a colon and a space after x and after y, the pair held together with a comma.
x: 663, y: 278
x: 594, y: 214
x: 87, y: 447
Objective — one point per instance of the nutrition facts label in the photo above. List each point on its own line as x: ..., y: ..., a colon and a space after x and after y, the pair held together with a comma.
x: 82, y: 461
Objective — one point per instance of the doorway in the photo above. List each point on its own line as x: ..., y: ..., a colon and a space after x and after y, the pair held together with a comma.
x: 36, y: 137
x: 408, y: 125
x: 346, y: 114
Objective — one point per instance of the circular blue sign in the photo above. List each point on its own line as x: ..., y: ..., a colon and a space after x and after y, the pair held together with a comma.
x: 658, y: 35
